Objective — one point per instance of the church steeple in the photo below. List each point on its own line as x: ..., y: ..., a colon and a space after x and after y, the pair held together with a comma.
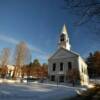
x: 64, y: 30
x: 64, y: 39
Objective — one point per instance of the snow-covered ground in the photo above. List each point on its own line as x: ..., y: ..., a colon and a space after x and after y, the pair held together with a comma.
x: 97, y: 80
x: 35, y: 91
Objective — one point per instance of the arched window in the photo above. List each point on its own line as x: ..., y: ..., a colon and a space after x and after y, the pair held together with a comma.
x: 62, y: 38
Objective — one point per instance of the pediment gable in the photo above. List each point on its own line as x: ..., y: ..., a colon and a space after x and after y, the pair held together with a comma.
x: 63, y: 53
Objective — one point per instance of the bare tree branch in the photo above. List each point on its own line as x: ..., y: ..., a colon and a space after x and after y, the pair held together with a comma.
x: 87, y: 12
x: 5, y: 57
x: 22, y: 57
x: 89, y: 8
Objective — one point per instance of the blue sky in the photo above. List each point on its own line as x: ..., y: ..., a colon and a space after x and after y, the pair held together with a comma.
x: 39, y: 22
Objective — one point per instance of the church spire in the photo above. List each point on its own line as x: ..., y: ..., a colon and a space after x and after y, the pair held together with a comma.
x: 64, y: 39
x: 64, y: 30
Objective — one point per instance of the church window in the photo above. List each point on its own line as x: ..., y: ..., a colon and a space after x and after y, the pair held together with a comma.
x: 69, y: 65
x: 61, y: 66
x: 52, y: 78
x: 61, y: 78
x: 54, y: 67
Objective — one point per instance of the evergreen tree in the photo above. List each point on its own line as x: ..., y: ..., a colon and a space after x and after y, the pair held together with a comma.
x: 93, y: 62
x: 36, y: 63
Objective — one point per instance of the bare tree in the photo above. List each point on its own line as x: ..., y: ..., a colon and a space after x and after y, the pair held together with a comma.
x: 87, y: 12
x: 87, y: 9
x: 22, y: 57
x: 5, y: 56
x: 73, y: 75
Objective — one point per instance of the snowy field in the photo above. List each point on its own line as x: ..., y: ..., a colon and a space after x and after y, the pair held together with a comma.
x: 35, y: 92
x: 96, y: 81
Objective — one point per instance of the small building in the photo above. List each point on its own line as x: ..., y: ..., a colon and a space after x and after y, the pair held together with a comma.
x: 66, y: 66
x: 10, y: 71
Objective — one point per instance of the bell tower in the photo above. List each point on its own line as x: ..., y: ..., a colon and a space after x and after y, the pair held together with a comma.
x: 64, y: 39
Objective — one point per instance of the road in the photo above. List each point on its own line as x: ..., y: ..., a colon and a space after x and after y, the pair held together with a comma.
x: 34, y: 92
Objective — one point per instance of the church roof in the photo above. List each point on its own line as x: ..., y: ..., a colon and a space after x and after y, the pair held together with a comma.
x: 65, y: 52
x: 58, y: 54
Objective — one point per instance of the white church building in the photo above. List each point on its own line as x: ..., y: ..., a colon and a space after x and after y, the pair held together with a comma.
x: 66, y: 66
